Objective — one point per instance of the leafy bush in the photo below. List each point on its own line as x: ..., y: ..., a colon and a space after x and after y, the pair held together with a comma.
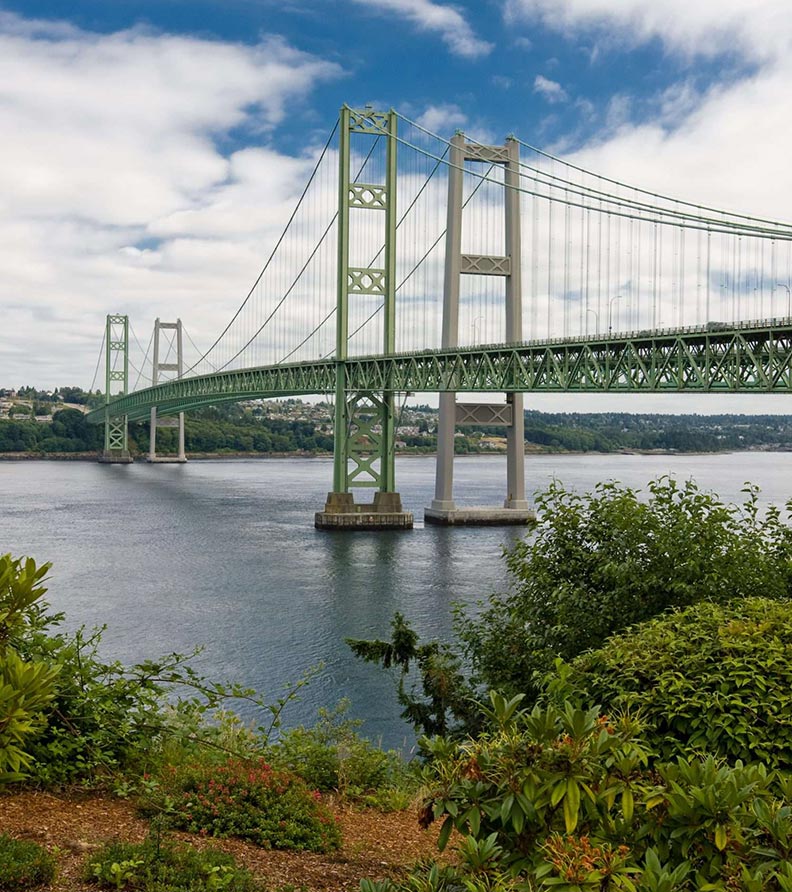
x: 84, y: 719
x: 542, y: 772
x: 250, y: 800
x: 27, y: 686
x: 105, y: 717
x: 606, y: 560
x: 332, y: 756
x: 716, y: 678
x: 75, y: 712
x: 154, y: 866
x: 562, y: 797
x: 596, y: 564
x: 24, y: 865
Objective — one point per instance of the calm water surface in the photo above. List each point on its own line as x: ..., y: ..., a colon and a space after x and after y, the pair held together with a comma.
x: 224, y: 554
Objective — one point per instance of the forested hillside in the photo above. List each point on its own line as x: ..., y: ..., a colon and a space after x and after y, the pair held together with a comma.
x: 293, y: 426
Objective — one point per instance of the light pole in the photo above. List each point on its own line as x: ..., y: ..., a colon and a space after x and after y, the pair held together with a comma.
x: 596, y: 316
x: 611, y: 302
x: 475, y: 327
x: 789, y: 298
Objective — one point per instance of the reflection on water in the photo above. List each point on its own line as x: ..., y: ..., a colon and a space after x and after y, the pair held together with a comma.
x: 225, y: 554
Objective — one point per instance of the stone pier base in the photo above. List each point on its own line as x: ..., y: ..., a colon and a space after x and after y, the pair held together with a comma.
x: 167, y: 460
x: 115, y: 458
x: 479, y: 517
x: 385, y: 513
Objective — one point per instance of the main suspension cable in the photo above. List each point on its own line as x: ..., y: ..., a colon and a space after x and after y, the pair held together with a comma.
x: 300, y: 273
x: 98, y: 363
x: 590, y: 191
x: 695, y: 222
x: 274, y: 250
x: 413, y: 270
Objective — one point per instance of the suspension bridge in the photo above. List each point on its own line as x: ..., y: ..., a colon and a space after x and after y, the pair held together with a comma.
x: 413, y: 264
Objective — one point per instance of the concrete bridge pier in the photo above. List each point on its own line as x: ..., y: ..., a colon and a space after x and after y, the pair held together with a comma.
x: 115, y: 457
x: 156, y: 424
x: 515, y: 510
x: 384, y: 513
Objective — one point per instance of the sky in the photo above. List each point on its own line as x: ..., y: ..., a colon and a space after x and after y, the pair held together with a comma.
x: 145, y: 144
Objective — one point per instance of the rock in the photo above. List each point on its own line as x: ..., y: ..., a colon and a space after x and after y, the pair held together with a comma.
x: 80, y: 846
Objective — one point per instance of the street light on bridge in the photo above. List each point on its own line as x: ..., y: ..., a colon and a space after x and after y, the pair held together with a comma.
x: 611, y: 302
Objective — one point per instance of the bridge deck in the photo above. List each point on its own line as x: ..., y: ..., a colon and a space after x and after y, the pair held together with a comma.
x: 743, y: 357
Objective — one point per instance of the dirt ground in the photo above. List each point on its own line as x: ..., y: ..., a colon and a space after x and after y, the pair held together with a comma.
x: 374, y: 844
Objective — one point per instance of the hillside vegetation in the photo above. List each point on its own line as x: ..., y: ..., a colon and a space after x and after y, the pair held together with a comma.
x: 291, y: 426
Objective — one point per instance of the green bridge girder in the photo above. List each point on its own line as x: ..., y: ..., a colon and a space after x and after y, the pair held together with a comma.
x: 750, y: 357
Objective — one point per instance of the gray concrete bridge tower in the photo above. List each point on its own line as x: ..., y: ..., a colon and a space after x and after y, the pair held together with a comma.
x: 443, y: 509
x: 157, y: 367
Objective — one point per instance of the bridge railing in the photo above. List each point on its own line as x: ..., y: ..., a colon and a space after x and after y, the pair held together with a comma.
x: 712, y: 328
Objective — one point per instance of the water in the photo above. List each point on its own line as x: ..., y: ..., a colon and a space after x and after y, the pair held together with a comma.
x: 224, y: 554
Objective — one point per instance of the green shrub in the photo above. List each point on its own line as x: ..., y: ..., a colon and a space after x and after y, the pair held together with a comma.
x: 606, y: 560
x: 24, y: 865
x: 73, y: 713
x: 75, y: 717
x: 595, y: 565
x: 27, y: 686
x: 250, y: 800
x: 105, y: 717
x: 154, y: 866
x: 110, y: 719
x: 715, y: 678
x: 332, y: 756
x: 562, y: 797
x: 547, y: 771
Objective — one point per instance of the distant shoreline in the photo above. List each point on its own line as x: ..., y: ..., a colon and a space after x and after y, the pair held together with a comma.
x: 263, y: 456
x: 192, y: 456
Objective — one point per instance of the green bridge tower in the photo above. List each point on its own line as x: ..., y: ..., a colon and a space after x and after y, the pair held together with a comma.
x: 365, y: 425
x: 116, y: 438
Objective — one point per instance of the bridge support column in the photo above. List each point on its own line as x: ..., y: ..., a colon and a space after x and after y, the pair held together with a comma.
x: 443, y: 509
x: 116, y: 429
x: 515, y: 456
x: 365, y: 429
x: 444, y: 471
x: 515, y: 434
x: 176, y: 422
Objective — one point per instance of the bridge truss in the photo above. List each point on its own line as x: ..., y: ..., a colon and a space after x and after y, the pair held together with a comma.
x: 755, y: 357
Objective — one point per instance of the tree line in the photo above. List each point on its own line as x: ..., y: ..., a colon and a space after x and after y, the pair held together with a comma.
x: 69, y: 432
x: 240, y: 428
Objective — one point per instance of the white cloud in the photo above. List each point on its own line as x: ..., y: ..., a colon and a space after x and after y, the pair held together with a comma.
x: 448, y: 21
x: 114, y: 195
x: 552, y: 91
x: 759, y: 29
x: 442, y: 118
x: 728, y: 150
x: 725, y: 145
